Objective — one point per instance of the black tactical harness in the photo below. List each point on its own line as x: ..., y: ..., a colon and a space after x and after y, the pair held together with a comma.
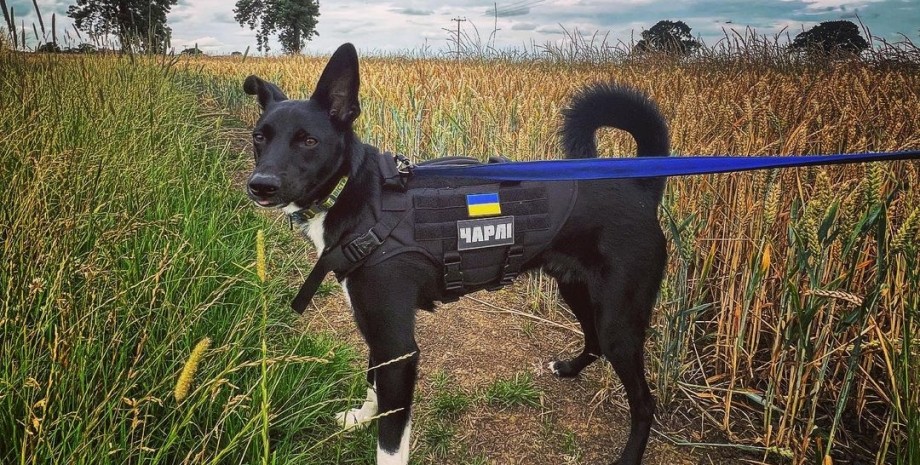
x: 432, y: 216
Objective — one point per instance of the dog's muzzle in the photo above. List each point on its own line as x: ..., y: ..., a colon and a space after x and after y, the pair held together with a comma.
x: 263, y: 188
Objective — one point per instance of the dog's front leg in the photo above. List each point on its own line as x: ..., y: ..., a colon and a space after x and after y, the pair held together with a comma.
x: 384, y: 309
x: 361, y: 416
x: 395, y: 385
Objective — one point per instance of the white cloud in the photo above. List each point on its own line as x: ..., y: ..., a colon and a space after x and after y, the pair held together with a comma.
x: 549, y: 29
x: 386, y: 25
x: 828, y: 5
x: 524, y: 26
x: 413, y: 11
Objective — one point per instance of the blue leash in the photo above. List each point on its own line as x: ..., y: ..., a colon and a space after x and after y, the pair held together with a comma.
x: 645, y: 167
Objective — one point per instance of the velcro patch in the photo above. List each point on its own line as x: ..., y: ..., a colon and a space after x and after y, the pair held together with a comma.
x: 483, y: 205
x: 485, y: 232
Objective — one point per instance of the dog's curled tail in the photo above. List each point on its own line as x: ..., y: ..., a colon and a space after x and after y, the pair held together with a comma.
x: 617, y: 106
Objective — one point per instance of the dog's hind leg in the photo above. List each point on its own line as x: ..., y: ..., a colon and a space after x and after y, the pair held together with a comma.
x: 622, y: 322
x: 579, y: 301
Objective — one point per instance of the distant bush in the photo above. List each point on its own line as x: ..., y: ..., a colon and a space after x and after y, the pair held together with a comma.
x: 49, y: 47
x: 82, y: 48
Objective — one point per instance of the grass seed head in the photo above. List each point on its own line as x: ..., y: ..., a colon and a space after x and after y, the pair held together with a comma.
x: 260, y: 255
x: 188, y: 371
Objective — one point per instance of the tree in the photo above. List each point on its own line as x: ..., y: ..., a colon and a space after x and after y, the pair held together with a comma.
x: 831, y: 37
x: 138, y: 24
x: 670, y: 37
x: 293, y: 20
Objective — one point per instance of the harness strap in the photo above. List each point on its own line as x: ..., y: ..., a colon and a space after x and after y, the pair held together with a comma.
x: 514, y: 261
x: 453, y: 275
x: 344, y: 259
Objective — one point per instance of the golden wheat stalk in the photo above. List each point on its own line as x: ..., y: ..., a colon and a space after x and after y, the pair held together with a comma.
x: 188, y: 371
x: 765, y: 259
x: 908, y: 230
x: 852, y: 298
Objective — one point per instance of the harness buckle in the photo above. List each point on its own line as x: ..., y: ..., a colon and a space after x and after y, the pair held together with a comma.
x: 513, y: 263
x: 403, y: 164
x: 395, y: 171
x: 362, y: 246
x: 453, y: 277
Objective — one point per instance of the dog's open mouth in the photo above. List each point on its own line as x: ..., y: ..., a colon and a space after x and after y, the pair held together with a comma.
x: 268, y: 203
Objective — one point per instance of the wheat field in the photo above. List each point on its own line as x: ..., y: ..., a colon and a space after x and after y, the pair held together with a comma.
x: 789, y: 314
x: 135, y: 324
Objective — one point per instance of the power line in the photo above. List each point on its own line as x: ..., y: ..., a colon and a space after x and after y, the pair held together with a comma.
x: 514, y: 8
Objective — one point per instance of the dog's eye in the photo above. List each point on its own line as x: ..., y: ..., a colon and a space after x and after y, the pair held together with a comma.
x: 258, y: 137
x: 310, y: 141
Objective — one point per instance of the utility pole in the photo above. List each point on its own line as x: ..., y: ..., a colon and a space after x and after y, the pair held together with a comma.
x: 458, y: 20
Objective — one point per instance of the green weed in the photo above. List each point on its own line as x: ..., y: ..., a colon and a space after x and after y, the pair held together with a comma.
x: 448, y: 401
x: 438, y: 438
x: 519, y: 390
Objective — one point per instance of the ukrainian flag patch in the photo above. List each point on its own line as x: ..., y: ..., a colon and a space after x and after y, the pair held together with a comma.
x: 478, y: 205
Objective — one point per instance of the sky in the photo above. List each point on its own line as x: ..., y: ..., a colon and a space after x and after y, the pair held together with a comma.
x: 377, y: 26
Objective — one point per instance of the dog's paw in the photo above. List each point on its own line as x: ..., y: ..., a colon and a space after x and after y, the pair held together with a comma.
x: 356, y: 418
x: 562, y: 369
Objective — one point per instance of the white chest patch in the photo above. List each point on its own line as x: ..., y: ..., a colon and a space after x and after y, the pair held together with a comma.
x: 291, y: 208
x: 316, y: 232
x: 345, y: 292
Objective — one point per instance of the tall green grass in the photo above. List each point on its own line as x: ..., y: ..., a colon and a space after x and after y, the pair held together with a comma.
x: 123, y: 245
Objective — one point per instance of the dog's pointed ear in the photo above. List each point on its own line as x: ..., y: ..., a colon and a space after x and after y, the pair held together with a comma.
x: 337, y: 89
x: 266, y: 92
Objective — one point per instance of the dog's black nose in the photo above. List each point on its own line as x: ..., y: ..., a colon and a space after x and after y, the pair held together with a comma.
x: 264, y: 185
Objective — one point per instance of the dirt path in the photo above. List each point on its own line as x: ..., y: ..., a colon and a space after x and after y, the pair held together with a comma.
x: 481, y: 340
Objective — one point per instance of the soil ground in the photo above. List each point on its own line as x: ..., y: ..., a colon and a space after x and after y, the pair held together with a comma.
x: 487, y: 337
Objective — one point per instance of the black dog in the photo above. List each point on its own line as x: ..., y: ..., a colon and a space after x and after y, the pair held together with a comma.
x: 608, y: 256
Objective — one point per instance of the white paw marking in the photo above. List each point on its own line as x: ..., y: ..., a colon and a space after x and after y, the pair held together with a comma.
x: 359, y: 417
x: 401, y: 455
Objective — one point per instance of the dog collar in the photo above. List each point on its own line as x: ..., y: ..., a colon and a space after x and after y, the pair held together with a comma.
x: 303, y: 215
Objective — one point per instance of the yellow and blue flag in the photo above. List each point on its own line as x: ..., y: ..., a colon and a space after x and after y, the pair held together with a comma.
x: 483, y: 205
